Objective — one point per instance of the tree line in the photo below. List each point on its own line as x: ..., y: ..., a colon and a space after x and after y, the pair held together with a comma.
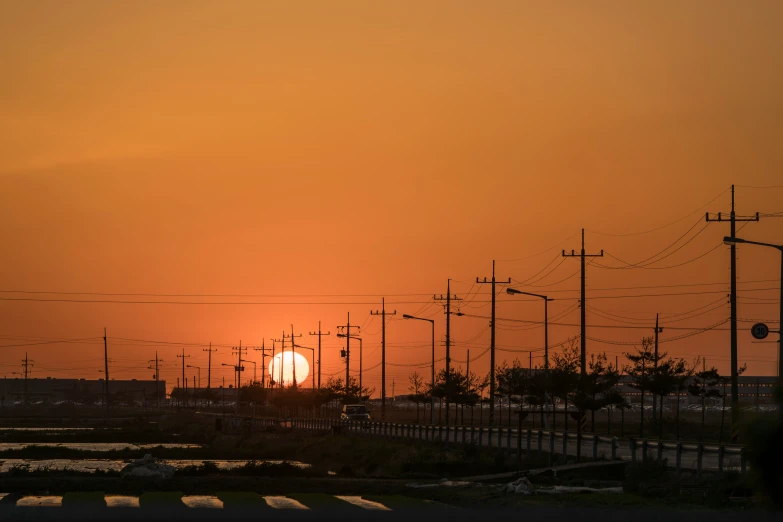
x: 652, y: 374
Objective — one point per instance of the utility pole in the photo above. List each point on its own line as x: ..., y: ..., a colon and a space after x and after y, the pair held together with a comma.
x: 347, y: 331
x: 184, y: 381
x: 383, y: 353
x: 209, y: 364
x: 655, y: 363
x: 582, y: 303
x: 448, y: 300
x: 272, y: 371
x: 733, y: 302
x: 26, y: 364
x: 293, y: 355
x: 238, y: 350
x: 361, y: 359
x: 492, y: 344
x: 157, y: 378
x: 106, y: 368
x: 583, y: 334
x: 282, y: 357
x: 319, y: 333
x: 263, y: 361
x: 470, y: 390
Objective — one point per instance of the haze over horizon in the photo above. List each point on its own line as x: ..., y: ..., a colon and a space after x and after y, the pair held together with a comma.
x: 256, y: 166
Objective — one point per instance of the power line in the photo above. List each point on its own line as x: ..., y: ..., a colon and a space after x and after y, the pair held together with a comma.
x: 663, y: 226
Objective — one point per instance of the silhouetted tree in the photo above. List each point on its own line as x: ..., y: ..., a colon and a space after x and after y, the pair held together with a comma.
x: 704, y: 386
x: 681, y: 382
x: 416, y: 386
x: 641, y: 372
x: 254, y: 393
x: 597, y: 389
x: 664, y: 381
x: 564, y: 373
x: 355, y: 393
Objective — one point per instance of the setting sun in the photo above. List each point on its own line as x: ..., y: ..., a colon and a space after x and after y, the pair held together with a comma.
x: 285, y: 362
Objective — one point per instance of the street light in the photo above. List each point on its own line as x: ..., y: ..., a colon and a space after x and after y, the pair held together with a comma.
x: 255, y: 366
x: 728, y: 240
x: 360, y: 357
x: 234, y: 366
x: 514, y: 291
x: 312, y: 370
x: 199, y: 373
x: 432, y: 396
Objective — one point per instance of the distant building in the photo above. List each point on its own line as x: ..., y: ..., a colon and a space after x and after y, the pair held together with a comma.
x: 82, y: 390
x: 751, y: 390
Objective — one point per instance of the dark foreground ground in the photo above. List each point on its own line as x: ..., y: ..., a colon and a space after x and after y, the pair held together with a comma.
x: 532, y: 513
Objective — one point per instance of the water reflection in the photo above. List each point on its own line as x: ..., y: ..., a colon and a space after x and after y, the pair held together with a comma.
x: 92, y: 465
x: 94, y: 446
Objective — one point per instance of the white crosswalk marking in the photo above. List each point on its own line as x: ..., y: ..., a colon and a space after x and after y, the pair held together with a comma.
x: 40, y: 501
x: 121, y: 501
x: 363, y: 503
x: 284, y: 503
x: 202, y: 501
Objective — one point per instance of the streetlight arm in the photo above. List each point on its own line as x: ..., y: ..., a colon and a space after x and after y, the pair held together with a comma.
x: 406, y: 316
x: 513, y: 291
x: 736, y: 240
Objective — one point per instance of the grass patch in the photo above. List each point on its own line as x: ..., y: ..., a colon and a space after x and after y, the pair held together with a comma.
x: 84, y: 499
x: 161, y: 499
x: 241, y: 499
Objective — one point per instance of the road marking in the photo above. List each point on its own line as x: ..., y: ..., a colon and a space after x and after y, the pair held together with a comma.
x: 284, y: 503
x: 121, y: 501
x: 40, y: 501
x: 202, y: 501
x: 362, y: 503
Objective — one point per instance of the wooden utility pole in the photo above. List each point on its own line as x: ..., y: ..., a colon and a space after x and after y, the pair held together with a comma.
x: 319, y: 333
x: 448, y: 300
x: 582, y: 302
x: 282, y: 357
x: 655, y: 365
x: 492, y: 344
x: 733, y: 303
x: 347, y: 331
x: 293, y: 355
x: 26, y: 364
x: 239, y: 349
x: 209, y: 364
x: 583, y: 335
x: 157, y: 378
x: 106, y: 368
x: 263, y: 361
x: 184, y: 381
x: 382, y: 313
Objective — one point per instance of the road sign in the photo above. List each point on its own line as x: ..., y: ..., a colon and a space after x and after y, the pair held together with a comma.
x: 760, y: 331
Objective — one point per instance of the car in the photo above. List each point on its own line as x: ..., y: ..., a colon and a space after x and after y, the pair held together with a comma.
x: 354, y: 412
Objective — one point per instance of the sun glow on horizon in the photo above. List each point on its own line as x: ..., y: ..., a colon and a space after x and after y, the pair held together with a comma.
x: 284, y: 362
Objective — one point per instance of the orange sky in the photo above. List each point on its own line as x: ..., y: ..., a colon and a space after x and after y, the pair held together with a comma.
x: 345, y: 151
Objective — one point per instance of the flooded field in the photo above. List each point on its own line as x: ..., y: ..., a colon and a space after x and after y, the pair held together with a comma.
x: 92, y: 465
x: 96, y: 446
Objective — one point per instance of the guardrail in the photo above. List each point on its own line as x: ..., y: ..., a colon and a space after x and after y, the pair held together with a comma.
x: 707, y: 456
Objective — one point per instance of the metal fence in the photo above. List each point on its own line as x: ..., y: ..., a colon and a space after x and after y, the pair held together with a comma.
x: 712, y: 457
